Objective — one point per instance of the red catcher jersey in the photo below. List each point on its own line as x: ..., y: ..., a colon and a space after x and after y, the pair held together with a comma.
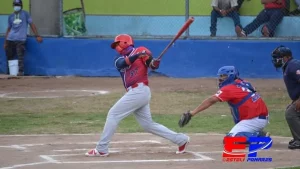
x: 253, y: 107
x: 137, y: 72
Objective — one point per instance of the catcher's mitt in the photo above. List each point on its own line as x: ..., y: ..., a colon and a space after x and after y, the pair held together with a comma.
x: 185, y: 118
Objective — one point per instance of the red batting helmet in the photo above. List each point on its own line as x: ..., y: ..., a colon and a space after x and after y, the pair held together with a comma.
x: 123, y: 40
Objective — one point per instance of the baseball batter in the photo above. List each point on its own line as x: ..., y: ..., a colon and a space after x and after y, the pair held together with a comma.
x: 133, y: 64
x: 248, y: 109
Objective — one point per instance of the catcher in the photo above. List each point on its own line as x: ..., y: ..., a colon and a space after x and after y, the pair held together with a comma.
x: 248, y: 109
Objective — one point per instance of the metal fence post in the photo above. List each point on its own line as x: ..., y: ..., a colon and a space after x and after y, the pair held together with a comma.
x: 61, y: 18
x: 187, y: 15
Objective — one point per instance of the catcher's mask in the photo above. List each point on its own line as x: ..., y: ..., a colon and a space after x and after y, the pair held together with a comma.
x: 278, y: 54
x: 121, y: 43
x: 227, y: 75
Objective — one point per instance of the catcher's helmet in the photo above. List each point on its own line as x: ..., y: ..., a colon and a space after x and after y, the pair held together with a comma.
x: 278, y: 54
x: 227, y: 75
x: 17, y: 3
x: 123, y: 40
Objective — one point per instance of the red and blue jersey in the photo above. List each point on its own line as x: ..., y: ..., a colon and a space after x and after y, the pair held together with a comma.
x: 137, y: 72
x: 244, y: 102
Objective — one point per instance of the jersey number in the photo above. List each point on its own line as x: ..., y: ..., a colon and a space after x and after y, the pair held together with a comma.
x: 254, y: 96
x: 133, y: 72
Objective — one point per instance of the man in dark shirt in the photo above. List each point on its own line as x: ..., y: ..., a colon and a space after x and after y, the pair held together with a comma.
x: 282, y: 58
x: 270, y: 16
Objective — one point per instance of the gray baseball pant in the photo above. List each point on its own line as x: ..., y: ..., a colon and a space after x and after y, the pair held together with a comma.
x: 136, y: 101
x: 293, y: 119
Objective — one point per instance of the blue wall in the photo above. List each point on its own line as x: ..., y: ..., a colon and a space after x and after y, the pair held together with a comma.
x: 186, y: 59
x: 3, y: 23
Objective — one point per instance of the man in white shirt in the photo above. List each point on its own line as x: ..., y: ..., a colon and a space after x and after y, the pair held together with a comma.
x: 224, y: 8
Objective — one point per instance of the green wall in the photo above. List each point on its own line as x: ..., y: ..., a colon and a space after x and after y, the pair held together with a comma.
x: 157, y: 7
x: 143, y: 7
x: 129, y: 7
x: 7, y: 8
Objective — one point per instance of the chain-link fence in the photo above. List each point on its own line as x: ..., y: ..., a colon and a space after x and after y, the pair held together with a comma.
x: 163, y: 18
x: 244, y: 18
x: 157, y: 18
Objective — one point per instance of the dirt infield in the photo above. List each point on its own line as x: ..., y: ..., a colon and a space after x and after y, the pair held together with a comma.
x: 32, y: 84
x: 139, y: 150
x: 127, y: 150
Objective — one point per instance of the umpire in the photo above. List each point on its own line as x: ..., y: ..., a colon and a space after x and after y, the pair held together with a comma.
x: 282, y: 58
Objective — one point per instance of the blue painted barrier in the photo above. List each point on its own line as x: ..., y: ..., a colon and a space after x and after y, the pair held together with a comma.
x: 185, y: 59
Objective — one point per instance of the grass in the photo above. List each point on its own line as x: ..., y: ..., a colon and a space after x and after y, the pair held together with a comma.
x: 74, y: 122
x: 88, y: 114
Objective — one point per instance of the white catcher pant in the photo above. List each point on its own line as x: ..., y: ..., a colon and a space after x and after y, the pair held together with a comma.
x: 136, y: 101
x: 249, y: 125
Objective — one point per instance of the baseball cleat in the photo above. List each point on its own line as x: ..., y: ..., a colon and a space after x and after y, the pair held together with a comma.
x: 182, y: 149
x: 95, y: 153
x: 292, y: 141
x: 294, y: 145
x: 264, y: 134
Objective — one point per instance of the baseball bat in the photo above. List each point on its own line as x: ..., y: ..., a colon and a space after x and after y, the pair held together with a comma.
x: 179, y: 33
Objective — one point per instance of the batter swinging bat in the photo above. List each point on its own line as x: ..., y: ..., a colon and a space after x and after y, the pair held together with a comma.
x: 180, y: 32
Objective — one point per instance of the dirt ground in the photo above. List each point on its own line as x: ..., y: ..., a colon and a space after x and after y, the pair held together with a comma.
x: 136, y: 150
x: 157, y: 84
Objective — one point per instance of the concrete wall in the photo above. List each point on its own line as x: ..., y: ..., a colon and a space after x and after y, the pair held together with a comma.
x: 149, y: 18
x: 169, y: 25
x: 46, y: 16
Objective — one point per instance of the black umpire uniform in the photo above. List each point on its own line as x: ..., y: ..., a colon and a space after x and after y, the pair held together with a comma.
x: 282, y: 58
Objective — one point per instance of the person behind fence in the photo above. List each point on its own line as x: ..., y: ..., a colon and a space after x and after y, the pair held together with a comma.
x: 296, y: 11
x: 224, y: 8
x: 16, y: 34
x: 249, y: 111
x: 270, y: 16
x: 240, y: 3
x: 282, y: 57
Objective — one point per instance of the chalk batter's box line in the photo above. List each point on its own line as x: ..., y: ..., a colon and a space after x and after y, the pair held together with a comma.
x: 93, y: 93
x: 121, y: 134
x: 50, y: 159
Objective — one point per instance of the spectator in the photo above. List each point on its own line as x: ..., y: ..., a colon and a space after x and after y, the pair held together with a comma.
x: 223, y: 8
x: 272, y: 15
x: 296, y: 11
x: 287, y: 8
x: 240, y: 3
x: 16, y: 34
